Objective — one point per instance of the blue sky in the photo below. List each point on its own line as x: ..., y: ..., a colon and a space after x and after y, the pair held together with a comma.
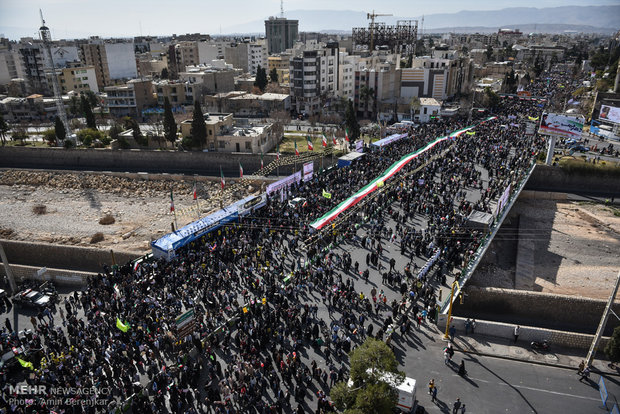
x: 80, y: 18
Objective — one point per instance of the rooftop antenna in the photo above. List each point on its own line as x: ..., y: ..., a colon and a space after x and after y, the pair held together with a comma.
x: 46, y: 37
x: 282, y: 8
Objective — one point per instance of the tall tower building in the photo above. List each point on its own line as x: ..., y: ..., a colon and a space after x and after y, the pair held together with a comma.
x: 281, y: 34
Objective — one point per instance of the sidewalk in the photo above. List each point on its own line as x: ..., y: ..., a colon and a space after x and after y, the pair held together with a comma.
x: 505, y: 348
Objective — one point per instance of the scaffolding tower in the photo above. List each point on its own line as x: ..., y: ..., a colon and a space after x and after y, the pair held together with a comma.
x: 400, y: 38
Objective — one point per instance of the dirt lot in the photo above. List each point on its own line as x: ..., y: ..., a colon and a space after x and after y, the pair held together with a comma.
x: 576, y: 248
x: 73, y: 208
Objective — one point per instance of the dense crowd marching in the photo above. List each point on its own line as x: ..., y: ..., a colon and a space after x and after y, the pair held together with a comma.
x: 257, y: 288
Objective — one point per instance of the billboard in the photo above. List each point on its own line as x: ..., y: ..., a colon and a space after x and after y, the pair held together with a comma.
x: 308, y: 170
x: 561, y: 125
x: 609, y: 113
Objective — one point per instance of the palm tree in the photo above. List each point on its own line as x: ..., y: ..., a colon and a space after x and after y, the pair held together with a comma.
x: 366, y: 94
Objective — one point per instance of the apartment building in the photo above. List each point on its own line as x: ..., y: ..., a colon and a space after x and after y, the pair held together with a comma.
x: 11, y: 66
x: 314, y: 78
x: 34, y: 64
x: 77, y: 78
x: 210, y: 79
x: 130, y: 99
x: 281, y: 64
x: 112, y: 61
x: 257, y: 56
x: 241, y: 103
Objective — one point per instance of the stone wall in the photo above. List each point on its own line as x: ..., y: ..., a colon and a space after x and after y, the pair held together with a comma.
x: 563, y: 312
x: 173, y: 162
x: 60, y: 277
x: 527, y: 333
x: 86, y: 259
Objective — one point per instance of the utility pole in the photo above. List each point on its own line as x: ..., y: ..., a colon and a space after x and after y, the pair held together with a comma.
x: 601, y: 326
x: 8, y: 271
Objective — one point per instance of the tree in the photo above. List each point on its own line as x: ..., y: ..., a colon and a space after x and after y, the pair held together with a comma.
x: 414, y: 106
x: 49, y: 136
x: 491, y: 99
x: 164, y: 73
x: 74, y: 106
x: 4, y: 128
x: 60, y: 130
x: 92, y: 98
x: 366, y: 94
x: 261, y: 78
x: 170, y: 126
x: 87, y: 111
x: 19, y: 134
x: 489, y: 52
x: 612, y: 349
x: 137, y: 134
x: 369, y: 393
x: 273, y: 75
x: 351, y: 122
x: 88, y: 136
x: 199, y: 128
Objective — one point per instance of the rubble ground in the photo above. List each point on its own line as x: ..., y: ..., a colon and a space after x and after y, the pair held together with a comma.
x: 75, y: 202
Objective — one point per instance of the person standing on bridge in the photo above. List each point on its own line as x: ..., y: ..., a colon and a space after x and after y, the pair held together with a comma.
x: 517, y: 332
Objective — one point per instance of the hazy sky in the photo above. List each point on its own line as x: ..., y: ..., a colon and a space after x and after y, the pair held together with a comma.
x: 80, y: 18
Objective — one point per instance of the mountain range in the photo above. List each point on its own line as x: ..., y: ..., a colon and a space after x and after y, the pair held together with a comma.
x: 590, y: 19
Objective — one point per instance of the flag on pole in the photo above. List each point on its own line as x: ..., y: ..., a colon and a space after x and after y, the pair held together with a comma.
x: 333, y: 138
x: 296, y: 150
x: 171, y: 201
x: 222, y: 181
x: 310, y: 145
x: 122, y: 326
x: 324, y: 141
x: 195, y: 193
x: 278, y: 152
x: 346, y: 134
x: 261, y: 161
x: 240, y: 170
x: 25, y: 364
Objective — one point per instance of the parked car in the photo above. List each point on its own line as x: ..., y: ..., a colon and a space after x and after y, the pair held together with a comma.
x: 580, y: 148
x: 31, y: 297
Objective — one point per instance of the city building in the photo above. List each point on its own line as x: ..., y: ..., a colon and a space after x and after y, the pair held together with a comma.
x: 241, y: 103
x: 281, y: 34
x: 130, y: 99
x: 217, y: 124
x: 281, y: 64
x: 78, y: 79
x: 112, y: 61
x: 11, y: 66
x: 314, y: 78
x: 33, y: 108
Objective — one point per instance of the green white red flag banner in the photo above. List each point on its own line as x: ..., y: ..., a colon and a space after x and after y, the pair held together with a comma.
x: 391, y: 171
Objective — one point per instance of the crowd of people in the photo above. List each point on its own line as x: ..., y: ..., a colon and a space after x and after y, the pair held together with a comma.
x: 276, y: 315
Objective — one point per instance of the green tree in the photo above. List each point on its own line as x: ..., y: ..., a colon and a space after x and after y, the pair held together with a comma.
x: 87, y: 111
x: 369, y: 393
x: 4, y: 129
x: 351, y: 122
x: 261, y: 78
x: 19, y: 134
x: 273, y: 75
x: 367, y: 94
x: 89, y: 135
x: 60, y: 130
x: 115, y: 130
x: 489, y: 52
x: 49, y: 136
x: 137, y: 135
x: 491, y: 99
x: 170, y: 126
x: 74, y: 106
x: 164, y: 73
x: 92, y: 98
x: 612, y: 349
x: 199, y: 128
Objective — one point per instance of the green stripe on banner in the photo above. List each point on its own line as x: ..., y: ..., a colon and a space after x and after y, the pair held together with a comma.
x: 393, y: 169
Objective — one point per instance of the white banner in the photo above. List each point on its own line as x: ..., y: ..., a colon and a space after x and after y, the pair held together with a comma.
x: 359, y: 145
x: 284, y: 183
x: 308, y: 170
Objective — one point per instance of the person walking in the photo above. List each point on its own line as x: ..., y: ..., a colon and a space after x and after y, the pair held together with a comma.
x: 473, y: 326
x: 452, y: 332
x: 434, y: 394
x: 517, y: 332
x: 7, y: 323
x: 431, y: 385
x: 462, y: 372
x: 467, y: 326
x: 585, y: 373
x: 456, y: 406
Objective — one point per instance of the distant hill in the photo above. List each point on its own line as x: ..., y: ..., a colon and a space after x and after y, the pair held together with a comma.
x: 591, y: 19
x: 525, y: 28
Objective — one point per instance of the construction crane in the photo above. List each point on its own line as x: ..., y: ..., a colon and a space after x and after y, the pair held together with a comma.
x: 372, y: 16
x: 46, y: 36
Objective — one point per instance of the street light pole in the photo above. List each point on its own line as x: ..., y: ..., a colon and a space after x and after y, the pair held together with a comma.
x: 446, y: 336
x: 601, y: 325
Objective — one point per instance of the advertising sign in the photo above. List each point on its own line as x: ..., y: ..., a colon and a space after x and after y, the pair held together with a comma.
x: 359, y: 145
x: 561, y: 125
x: 609, y: 113
x: 308, y: 170
x: 284, y: 183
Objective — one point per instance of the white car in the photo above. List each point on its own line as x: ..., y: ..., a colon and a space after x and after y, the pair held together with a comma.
x: 32, y: 297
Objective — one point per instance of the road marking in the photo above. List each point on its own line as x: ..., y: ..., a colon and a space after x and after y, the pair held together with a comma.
x: 534, y: 389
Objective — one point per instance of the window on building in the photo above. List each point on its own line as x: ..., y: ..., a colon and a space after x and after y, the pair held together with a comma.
x: 248, y: 145
x: 222, y: 144
x: 425, y: 110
